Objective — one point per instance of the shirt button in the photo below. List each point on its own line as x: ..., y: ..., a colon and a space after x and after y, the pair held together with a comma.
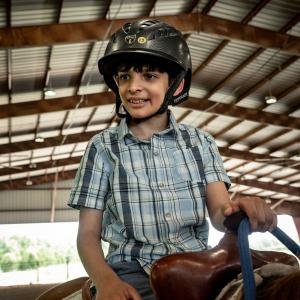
x: 155, y: 153
x: 161, y: 184
x: 168, y: 215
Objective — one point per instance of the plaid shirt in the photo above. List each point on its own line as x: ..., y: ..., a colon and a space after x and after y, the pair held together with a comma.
x: 152, y: 192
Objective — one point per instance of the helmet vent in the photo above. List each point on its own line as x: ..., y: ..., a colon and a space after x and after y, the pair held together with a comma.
x: 149, y: 23
x: 146, y: 24
x: 126, y: 27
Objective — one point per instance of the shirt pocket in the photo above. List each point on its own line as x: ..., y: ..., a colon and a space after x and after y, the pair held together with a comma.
x: 186, y: 164
x: 190, y: 201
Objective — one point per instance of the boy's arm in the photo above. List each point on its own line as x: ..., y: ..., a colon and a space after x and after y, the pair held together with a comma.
x: 109, y: 285
x: 219, y: 206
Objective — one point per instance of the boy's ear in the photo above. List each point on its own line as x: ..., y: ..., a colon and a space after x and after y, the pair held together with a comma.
x: 180, y: 88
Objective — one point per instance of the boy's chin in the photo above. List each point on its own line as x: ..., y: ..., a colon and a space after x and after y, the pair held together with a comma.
x: 141, y: 114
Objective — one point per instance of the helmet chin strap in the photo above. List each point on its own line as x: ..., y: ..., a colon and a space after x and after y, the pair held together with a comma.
x: 164, y: 106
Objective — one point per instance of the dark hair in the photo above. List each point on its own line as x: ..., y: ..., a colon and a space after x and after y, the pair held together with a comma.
x: 151, y: 64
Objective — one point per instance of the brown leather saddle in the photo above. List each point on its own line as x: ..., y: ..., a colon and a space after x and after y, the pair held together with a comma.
x: 186, y: 276
x: 202, y: 275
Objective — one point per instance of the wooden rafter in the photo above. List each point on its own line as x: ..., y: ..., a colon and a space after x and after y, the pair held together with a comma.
x: 259, y: 6
x: 266, y: 79
x: 19, y: 183
x: 289, y: 190
x: 68, y: 103
x: 242, y: 113
x: 187, y: 23
x: 210, y: 57
x: 290, y: 24
x: 246, y: 135
x: 227, y: 128
x: 238, y: 69
x: 268, y: 139
x: 86, y: 136
x: 209, y: 5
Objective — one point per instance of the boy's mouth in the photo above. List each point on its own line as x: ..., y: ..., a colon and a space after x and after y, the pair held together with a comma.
x: 136, y: 101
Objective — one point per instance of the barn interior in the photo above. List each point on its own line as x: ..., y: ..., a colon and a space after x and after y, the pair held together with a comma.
x: 245, y: 93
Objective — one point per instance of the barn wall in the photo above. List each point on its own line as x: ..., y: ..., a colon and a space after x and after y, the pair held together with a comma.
x: 33, y: 204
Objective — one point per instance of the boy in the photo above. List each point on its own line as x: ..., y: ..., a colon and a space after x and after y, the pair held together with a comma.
x: 144, y: 186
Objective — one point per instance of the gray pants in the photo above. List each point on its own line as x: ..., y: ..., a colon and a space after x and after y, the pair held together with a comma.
x: 134, y: 274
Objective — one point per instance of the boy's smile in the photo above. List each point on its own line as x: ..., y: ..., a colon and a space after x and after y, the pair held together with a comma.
x: 142, y: 92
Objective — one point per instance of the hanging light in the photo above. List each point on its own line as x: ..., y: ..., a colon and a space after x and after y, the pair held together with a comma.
x: 49, y: 91
x: 270, y: 99
x: 39, y: 139
x: 28, y: 182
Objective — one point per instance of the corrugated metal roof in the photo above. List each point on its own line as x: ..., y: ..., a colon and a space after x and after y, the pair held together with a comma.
x: 276, y: 14
x: 234, y: 10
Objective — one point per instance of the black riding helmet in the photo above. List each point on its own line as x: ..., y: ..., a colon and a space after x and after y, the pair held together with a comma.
x: 151, y: 39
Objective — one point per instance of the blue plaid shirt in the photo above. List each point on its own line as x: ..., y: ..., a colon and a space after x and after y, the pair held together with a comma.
x: 152, y: 192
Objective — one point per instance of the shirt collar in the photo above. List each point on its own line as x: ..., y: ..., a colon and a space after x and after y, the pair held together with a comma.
x: 124, y: 132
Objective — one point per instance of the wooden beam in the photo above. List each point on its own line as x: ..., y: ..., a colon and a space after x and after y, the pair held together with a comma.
x: 268, y: 186
x: 68, y: 103
x: 210, y: 57
x: 237, y: 70
x: 42, y: 35
x: 58, y: 104
x: 42, y: 165
x: 259, y: 6
x: 209, y: 5
x: 48, y: 178
x: 291, y: 23
x: 21, y: 183
x: 86, y: 136
x: 242, y: 113
x: 246, y: 135
x: 266, y: 79
x: 271, y: 137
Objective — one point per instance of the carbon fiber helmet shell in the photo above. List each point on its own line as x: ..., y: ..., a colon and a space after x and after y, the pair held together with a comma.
x: 149, y: 38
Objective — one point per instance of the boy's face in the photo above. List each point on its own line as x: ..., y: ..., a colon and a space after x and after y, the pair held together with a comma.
x: 142, y: 92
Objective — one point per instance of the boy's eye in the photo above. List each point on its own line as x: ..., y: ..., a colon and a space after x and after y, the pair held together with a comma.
x: 149, y: 75
x: 123, y: 76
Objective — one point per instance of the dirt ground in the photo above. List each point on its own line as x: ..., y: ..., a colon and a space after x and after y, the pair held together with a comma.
x: 23, y: 292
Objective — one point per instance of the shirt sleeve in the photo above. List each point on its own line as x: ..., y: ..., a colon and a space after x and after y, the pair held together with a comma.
x: 91, y: 184
x: 213, y: 165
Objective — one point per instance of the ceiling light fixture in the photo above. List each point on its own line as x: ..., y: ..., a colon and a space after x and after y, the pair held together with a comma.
x: 28, y: 182
x: 49, y: 91
x: 270, y: 99
x: 39, y: 139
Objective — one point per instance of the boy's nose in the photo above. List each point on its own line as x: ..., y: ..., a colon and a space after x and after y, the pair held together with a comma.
x: 134, y: 84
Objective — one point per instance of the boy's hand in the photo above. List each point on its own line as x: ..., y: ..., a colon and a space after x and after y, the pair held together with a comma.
x: 118, y: 290
x: 261, y: 216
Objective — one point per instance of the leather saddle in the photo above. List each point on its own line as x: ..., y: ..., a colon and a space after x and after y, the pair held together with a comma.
x: 202, y: 275
x: 186, y: 276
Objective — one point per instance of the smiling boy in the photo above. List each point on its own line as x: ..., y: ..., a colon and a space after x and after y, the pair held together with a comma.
x: 145, y: 185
